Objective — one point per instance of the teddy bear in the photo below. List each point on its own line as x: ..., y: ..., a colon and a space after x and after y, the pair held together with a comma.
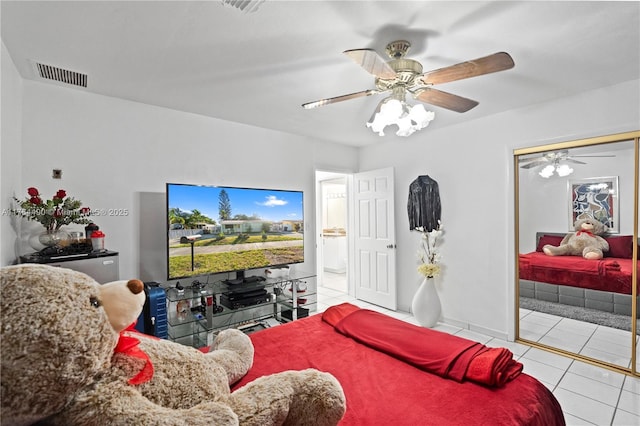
x: 586, y: 241
x: 70, y: 356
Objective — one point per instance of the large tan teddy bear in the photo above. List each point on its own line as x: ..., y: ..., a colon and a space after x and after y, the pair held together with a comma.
x: 586, y: 241
x: 67, y: 359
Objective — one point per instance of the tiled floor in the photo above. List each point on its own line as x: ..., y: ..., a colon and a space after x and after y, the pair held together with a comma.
x: 589, y: 395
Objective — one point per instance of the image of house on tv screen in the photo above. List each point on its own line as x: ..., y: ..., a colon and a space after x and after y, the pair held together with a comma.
x: 222, y: 229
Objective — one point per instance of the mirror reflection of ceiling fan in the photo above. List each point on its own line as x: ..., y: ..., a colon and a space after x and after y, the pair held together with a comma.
x: 556, y: 161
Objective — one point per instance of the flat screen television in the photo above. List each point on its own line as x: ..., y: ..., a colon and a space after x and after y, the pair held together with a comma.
x: 216, y: 229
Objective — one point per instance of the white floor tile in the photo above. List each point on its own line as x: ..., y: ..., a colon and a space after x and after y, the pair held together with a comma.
x: 573, y: 327
x: 530, y: 335
x: 607, y: 346
x: 614, y: 359
x: 590, y: 388
x: 329, y: 292
x: 517, y: 349
x: 613, y: 335
x: 584, y: 408
x: 400, y: 315
x: 447, y: 328
x: 472, y: 335
x: 542, y: 372
x: 629, y: 402
x: 623, y: 418
x: 632, y: 384
x: 542, y: 318
x: 602, y: 375
x: 558, y: 339
x: 534, y: 327
x: 548, y: 358
x: 575, y: 421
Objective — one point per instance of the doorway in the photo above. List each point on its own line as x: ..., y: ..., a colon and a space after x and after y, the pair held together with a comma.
x: 332, y: 201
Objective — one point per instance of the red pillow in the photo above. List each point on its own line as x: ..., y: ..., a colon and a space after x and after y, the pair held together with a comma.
x: 334, y: 314
x: 553, y: 240
x: 621, y: 246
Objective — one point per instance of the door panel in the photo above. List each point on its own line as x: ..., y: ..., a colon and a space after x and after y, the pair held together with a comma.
x: 375, y: 239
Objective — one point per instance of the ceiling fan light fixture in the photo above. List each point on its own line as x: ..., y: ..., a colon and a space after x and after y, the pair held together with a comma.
x: 547, y: 171
x: 421, y: 116
x: 561, y: 170
x: 396, y: 111
x: 564, y: 170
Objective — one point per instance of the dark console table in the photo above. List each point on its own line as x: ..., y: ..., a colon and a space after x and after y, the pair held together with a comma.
x: 102, y: 266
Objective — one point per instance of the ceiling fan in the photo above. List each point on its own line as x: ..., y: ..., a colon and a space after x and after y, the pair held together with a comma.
x: 401, y: 75
x: 554, y: 158
x: 556, y: 161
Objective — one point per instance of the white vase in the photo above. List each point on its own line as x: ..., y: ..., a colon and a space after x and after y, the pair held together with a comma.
x: 426, y: 304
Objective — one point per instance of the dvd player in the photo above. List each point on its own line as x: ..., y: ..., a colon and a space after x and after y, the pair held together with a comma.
x: 244, y: 302
x: 230, y: 295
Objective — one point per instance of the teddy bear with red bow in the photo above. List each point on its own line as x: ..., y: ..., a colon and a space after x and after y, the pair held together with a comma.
x: 70, y: 356
x: 586, y: 241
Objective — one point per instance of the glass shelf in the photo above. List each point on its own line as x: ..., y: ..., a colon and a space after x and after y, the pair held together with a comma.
x: 198, y: 328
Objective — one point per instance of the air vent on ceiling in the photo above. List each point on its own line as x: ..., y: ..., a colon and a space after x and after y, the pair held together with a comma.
x: 59, y: 74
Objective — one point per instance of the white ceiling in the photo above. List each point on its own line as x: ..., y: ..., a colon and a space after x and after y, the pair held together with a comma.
x: 258, y: 68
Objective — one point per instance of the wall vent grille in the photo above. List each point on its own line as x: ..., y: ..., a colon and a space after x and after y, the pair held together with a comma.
x: 64, y: 76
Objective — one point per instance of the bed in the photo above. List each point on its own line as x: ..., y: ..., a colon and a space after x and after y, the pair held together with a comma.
x: 604, y: 284
x: 406, y: 388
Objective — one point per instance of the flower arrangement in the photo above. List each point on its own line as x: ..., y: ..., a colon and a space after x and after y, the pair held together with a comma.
x: 429, y: 255
x: 52, y: 214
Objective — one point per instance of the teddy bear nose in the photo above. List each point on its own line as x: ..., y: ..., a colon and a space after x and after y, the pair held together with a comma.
x: 136, y: 286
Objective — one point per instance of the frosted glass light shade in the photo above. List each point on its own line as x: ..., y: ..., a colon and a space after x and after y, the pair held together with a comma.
x: 407, y: 118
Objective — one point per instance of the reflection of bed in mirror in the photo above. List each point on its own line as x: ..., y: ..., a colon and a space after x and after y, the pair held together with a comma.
x: 603, y: 285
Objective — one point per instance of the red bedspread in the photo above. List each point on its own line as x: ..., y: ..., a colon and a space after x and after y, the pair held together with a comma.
x: 433, y: 351
x: 608, y: 274
x: 383, y: 390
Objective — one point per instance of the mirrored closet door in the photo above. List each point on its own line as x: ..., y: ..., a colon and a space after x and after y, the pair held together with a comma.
x: 576, y: 301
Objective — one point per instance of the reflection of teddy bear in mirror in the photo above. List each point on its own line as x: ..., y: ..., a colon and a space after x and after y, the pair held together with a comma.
x: 586, y: 241
x: 69, y: 358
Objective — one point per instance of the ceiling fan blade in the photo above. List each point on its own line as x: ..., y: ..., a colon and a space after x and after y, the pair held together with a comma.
x: 493, y: 63
x: 595, y: 156
x: 534, y: 164
x: 445, y: 100
x: 327, y: 101
x: 371, y: 62
x: 571, y: 160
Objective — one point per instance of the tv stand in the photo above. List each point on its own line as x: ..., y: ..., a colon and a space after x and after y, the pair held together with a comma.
x: 196, y: 315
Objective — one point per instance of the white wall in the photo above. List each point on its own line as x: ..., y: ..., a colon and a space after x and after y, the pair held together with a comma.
x: 118, y: 154
x: 10, y: 154
x: 473, y: 164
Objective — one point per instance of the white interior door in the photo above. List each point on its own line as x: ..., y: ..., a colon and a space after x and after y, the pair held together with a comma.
x: 374, y: 231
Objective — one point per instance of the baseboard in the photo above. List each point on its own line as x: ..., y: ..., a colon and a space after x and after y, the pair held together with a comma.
x: 477, y: 328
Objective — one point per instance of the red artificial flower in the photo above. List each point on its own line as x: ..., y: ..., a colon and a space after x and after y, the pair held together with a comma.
x: 54, y: 213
